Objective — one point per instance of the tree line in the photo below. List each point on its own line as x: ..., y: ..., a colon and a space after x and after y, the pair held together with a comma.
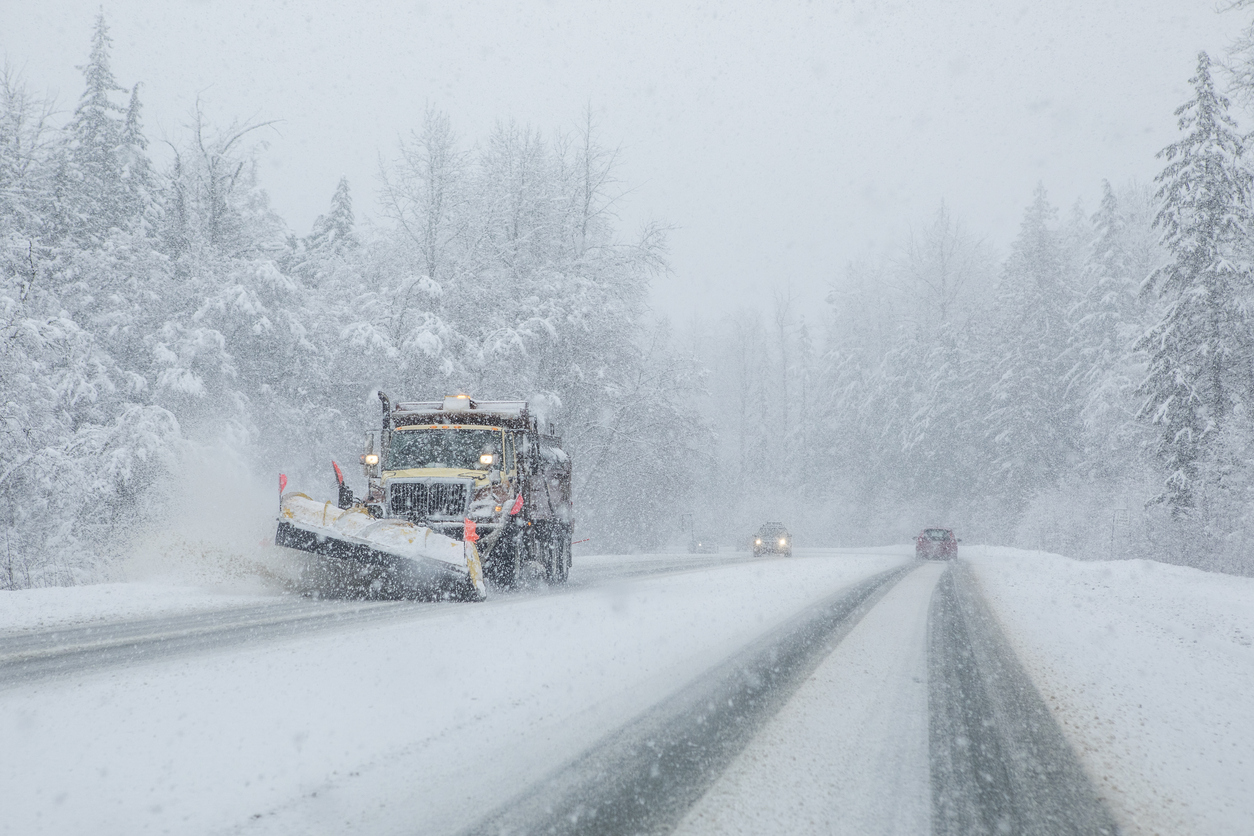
x: 1087, y: 392
x: 1090, y: 392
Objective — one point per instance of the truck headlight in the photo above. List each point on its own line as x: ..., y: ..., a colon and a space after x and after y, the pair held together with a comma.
x: 370, y: 459
x: 486, y: 458
x: 783, y: 542
x: 757, y: 542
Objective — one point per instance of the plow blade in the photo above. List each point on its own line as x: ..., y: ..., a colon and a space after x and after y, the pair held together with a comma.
x: 420, y: 558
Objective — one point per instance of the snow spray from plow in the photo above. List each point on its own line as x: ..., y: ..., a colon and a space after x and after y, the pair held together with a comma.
x: 420, y: 559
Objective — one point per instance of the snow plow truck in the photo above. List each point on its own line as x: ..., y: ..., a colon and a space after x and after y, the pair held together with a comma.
x: 457, y: 489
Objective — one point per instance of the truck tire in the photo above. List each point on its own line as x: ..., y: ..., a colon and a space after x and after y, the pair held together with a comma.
x: 504, y: 565
x: 548, y: 550
x: 559, y: 555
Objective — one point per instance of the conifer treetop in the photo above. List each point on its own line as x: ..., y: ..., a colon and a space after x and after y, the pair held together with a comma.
x: 97, y: 72
x: 1204, y: 190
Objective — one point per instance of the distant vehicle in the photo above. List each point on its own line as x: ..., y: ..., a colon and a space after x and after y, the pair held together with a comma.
x: 702, y: 544
x: 772, y: 538
x: 936, y: 544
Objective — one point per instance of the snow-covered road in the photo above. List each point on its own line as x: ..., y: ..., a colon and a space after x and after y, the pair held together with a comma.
x: 405, y: 726
x: 837, y: 691
x: 82, y: 639
x: 867, y: 773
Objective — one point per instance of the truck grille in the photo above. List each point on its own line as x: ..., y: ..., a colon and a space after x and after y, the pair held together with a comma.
x: 427, y: 500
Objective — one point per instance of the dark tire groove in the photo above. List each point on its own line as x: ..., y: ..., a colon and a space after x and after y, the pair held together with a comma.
x: 74, y: 650
x: 85, y: 650
x: 643, y: 777
x: 999, y: 762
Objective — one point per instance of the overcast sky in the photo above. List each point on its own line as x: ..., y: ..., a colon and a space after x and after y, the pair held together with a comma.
x: 780, y: 139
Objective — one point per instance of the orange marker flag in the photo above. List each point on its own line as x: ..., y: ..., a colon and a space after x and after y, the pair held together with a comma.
x: 468, y: 531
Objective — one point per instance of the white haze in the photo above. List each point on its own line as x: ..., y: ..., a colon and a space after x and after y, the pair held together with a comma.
x: 781, y: 140
x: 840, y: 266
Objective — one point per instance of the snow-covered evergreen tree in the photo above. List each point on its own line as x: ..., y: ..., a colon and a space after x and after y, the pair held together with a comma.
x: 335, y: 232
x: 1201, y: 350
x: 1032, y: 421
x: 104, y: 179
x: 1110, y: 317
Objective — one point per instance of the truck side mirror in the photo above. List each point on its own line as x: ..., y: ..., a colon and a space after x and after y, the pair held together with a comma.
x: 346, y: 498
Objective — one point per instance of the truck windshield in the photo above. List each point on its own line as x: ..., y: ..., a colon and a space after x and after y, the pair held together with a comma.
x: 442, y: 448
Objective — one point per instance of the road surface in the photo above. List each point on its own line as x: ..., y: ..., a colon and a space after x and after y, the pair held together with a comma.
x: 824, y: 693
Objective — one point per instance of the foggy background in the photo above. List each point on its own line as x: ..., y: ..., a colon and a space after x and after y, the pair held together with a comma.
x: 780, y: 140
x: 860, y: 268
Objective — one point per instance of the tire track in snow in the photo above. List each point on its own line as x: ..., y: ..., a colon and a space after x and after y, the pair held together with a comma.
x: 87, y: 649
x: 999, y: 762
x: 848, y: 754
x: 643, y: 777
x: 84, y: 650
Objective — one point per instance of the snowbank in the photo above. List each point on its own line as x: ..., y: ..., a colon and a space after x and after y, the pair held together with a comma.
x: 1149, y: 668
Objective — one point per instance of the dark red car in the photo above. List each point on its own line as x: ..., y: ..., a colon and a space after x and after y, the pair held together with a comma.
x: 936, y: 544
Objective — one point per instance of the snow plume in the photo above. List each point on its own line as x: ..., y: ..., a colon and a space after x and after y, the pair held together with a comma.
x: 212, y: 524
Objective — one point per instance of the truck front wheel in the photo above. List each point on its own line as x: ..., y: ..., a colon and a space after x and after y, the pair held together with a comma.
x: 561, y: 553
x: 504, y: 565
x: 554, y: 542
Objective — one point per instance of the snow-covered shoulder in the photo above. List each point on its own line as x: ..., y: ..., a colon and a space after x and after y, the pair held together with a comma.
x: 1149, y: 669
